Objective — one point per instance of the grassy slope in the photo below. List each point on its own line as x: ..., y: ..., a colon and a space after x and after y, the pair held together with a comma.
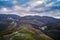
x: 26, y: 32
x: 29, y: 33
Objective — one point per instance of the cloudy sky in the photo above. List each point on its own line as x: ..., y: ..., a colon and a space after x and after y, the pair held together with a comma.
x: 31, y: 7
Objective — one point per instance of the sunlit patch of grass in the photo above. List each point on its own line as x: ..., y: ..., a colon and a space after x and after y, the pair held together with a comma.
x: 23, y: 37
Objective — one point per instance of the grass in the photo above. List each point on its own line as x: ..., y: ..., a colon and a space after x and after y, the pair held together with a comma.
x: 29, y: 33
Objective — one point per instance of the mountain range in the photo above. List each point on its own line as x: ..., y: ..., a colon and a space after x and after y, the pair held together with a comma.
x: 10, y: 23
x: 44, y: 19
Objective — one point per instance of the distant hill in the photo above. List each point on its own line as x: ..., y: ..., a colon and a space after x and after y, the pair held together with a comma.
x: 44, y: 19
x: 9, y: 16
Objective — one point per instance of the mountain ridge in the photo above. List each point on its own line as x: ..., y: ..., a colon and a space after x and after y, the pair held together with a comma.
x: 43, y: 19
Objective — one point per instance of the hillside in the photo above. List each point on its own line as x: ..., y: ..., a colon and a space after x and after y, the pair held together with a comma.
x: 53, y: 30
x: 26, y: 32
x: 44, y: 19
x: 10, y: 23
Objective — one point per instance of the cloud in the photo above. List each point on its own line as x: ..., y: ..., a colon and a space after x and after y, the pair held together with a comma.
x: 31, y: 7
